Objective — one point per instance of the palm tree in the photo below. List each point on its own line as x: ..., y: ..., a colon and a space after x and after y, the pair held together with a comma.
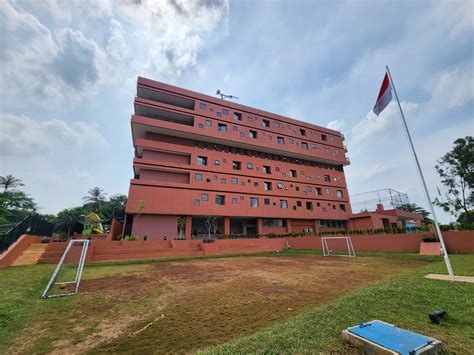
x: 9, y: 181
x: 96, y: 197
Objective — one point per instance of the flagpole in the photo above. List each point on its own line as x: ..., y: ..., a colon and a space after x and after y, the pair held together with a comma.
x: 420, y: 173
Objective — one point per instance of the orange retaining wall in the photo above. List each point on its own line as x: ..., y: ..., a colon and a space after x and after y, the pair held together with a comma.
x: 16, y: 249
x: 456, y: 242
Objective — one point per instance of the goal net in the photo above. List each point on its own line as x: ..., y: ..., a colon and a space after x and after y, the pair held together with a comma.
x: 66, y: 277
x: 341, y: 246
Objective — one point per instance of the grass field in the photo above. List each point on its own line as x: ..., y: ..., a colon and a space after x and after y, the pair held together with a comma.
x: 294, y: 301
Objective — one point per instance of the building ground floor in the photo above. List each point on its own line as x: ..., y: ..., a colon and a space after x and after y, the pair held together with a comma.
x: 168, y: 227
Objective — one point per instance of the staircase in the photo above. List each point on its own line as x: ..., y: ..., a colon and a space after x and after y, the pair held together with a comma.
x: 31, y: 255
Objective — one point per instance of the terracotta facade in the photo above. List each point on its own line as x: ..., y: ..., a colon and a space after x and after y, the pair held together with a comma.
x: 257, y: 172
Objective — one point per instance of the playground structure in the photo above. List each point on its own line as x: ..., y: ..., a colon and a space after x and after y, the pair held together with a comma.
x: 92, y: 224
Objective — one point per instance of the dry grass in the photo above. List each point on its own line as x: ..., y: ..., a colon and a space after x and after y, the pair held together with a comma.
x: 186, y: 306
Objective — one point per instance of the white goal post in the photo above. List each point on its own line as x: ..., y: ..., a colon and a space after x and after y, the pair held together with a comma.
x: 327, y: 251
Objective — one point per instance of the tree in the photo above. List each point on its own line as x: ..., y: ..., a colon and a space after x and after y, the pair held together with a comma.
x: 16, y: 205
x: 181, y: 220
x: 210, y: 223
x: 10, y: 181
x: 456, y: 169
x: 413, y: 207
x: 95, y: 198
x: 114, y: 207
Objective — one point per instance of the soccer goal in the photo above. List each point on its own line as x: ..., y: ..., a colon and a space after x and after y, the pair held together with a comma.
x: 66, y: 277
x: 329, y: 252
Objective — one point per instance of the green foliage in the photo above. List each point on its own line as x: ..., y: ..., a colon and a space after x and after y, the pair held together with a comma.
x: 131, y: 237
x: 15, y: 205
x: 456, y: 169
x: 413, y: 207
x: 466, y: 220
x: 9, y: 181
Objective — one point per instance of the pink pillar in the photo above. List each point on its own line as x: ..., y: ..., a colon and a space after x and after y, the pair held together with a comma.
x: 288, y: 226
x: 227, y: 225
x: 189, y: 225
x: 259, y: 225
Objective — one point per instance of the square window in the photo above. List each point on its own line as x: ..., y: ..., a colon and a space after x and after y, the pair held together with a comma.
x: 255, y: 184
x: 324, y: 137
x: 252, y: 134
x: 267, y: 186
x: 318, y: 204
x: 234, y: 128
x: 225, y: 111
x: 293, y: 173
x: 342, y: 208
x: 280, y: 140
x: 249, y: 166
x: 238, y: 116
x: 280, y: 185
x: 241, y: 198
x: 253, y: 202
x: 283, y: 204
x: 250, y: 119
x: 339, y: 193
x: 242, y: 135
x: 302, y: 132
x: 290, y: 140
x: 331, y: 138
x: 217, y: 162
x: 304, y: 145
x: 218, y: 114
x: 208, y: 123
x: 234, y: 200
x: 298, y: 203
x: 313, y: 146
x: 266, y: 123
x: 309, y: 206
x: 277, y: 124
x: 222, y: 127
x: 200, y: 125
x: 202, y: 161
x: 204, y: 197
x: 319, y: 191
x: 234, y: 181
x: 223, y: 181
x: 266, y: 201
x: 236, y: 165
x: 327, y: 178
x: 328, y: 190
x: 220, y: 199
x: 297, y: 188
x: 196, y: 202
x: 266, y: 169
x: 198, y: 177
x: 208, y: 180
x: 277, y: 169
x: 202, y: 106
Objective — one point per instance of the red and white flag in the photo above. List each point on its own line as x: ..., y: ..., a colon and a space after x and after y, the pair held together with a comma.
x: 385, y: 96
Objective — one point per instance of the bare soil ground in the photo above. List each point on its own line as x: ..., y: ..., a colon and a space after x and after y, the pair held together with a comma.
x: 184, y: 306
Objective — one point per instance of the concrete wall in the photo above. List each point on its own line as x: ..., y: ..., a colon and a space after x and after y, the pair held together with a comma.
x: 155, y: 227
x: 16, y: 249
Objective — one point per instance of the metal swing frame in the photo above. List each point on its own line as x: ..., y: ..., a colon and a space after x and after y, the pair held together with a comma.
x: 80, y: 267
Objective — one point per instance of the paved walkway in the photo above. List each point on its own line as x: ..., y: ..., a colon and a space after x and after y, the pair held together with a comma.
x: 469, y: 279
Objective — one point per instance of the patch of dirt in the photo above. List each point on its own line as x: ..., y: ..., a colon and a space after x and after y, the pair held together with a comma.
x: 182, y: 306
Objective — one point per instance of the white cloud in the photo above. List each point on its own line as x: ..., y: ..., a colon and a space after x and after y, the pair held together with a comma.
x: 453, y: 88
x: 22, y: 136
x: 372, y: 130
x: 337, y: 125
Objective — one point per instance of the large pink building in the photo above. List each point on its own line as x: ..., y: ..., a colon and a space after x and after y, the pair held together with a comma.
x: 257, y: 172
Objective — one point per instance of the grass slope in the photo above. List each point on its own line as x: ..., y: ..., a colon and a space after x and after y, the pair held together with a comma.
x: 404, y: 301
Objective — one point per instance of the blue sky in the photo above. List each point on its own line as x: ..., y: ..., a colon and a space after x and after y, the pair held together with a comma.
x: 68, y: 72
